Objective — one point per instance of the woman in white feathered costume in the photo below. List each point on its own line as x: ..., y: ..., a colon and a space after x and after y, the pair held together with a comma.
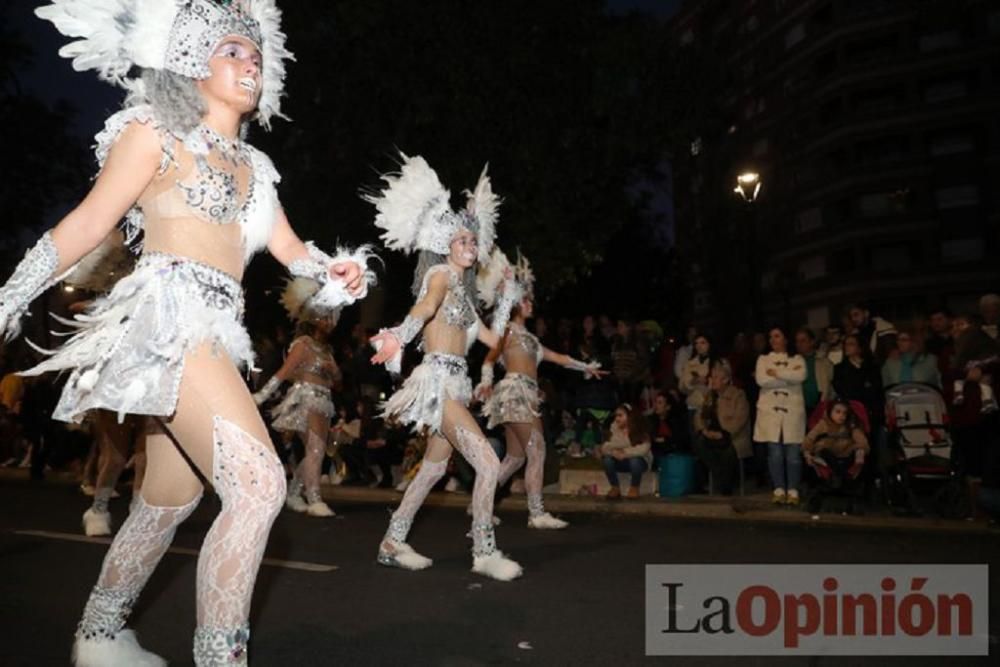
x: 516, y: 400
x: 415, y: 212
x: 307, y: 406
x: 168, y: 340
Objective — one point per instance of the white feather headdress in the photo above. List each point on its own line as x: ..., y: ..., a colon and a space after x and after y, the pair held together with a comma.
x: 415, y: 210
x: 524, y: 275
x: 113, y: 36
x: 490, y: 277
x: 298, y: 298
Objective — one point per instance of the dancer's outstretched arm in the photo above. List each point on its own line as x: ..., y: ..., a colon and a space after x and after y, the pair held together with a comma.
x: 591, y: 370
x: 297, y: 356
x: 389, y: 343
x: 131, y: 165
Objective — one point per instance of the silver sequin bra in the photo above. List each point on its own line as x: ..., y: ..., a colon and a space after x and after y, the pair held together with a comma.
x: 213, y: 194
x: 457, y: 307
x: 526, y: 340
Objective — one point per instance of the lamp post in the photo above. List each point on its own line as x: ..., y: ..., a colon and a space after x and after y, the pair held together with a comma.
x: 748, y: 186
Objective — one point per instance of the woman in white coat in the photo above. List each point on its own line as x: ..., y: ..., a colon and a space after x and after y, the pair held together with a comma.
x: 781, y: 416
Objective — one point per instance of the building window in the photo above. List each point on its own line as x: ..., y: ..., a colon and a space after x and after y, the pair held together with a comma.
x: 957, y: 196
x: 891, y: 258
x: 942, y: 91
x: 809, y: 220
x: 939, y: 41
x: 887, y: 149
x: 795, y: 35
x: 959, y: 251
x: 769, y: 279
x: 951, y: 143
x: 994, y: 23
x: 812, y: 268
x: 818, y: 318
x: 760, y: 147
x: 878, y: 204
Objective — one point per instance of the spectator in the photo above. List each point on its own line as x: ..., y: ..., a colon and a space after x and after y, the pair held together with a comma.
x: 626, y: 361
x: 836, y: 449
x: 910, y: 362
x: 627, y: 450
x: 833, y: 345
x: 723, y: 429
x: 872, y: 330
x: 972, y: 344
x: 940, y: 342
x: 858, y: 378
x: 666, y: 426
x: 684, y: 352
x: 606, y: 328
x: 781, y: 416
x: 592, y: 343
x: 819, y: 370
x: 742, y: 360
x: 989, y: 311
x: 694, y: 379
x: 974, y: 422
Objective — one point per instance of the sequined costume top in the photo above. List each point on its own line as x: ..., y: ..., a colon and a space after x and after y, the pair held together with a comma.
x: 319, y: 367
x: 455, y: 325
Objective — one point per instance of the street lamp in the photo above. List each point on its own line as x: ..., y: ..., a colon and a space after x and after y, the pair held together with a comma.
x: 748, y: 186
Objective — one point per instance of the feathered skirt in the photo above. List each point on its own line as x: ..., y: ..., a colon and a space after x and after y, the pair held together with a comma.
x: 515, y: 400
x: 420, y: 401
x: 292, y: 414
x: 126, y: 352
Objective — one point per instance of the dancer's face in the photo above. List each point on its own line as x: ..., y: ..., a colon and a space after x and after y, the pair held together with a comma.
x: 527, y: 307
x: 464, y: 249
x: 236, y: 75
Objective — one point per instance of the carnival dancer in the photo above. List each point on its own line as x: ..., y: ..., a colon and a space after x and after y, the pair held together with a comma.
x: 168, y: 340
x: 516, y: 400
x: 307, y: 407
x: 415, y: 212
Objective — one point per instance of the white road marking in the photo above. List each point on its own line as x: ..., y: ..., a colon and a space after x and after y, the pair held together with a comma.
x: 273, y: 562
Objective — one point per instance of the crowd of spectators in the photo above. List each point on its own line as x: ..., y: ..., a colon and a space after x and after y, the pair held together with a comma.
x: 743, y: 410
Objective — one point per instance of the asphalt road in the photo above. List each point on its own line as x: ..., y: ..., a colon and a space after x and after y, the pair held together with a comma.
x: 581, y: 601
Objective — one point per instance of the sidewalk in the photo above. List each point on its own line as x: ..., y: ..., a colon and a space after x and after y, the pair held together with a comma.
x: 752, y: 508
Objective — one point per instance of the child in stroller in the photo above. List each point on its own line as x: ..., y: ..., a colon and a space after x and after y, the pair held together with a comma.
x: 836, y: 448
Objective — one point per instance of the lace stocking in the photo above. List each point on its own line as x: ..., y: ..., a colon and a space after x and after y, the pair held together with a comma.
x: 509, y: 466
x: 251, y: 484
x: 429, y: 474
x: 535, y: 472
x: 308, y: 471
x: 477, y: 451
x: 134, y: 554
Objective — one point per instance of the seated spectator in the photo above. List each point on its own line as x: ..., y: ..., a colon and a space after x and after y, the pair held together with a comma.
x: 723, y: 429
x: 666, y: 426
x: 373, y: 449
x: 910, y: 362
x: 836, y: 449
x: 627, y: 450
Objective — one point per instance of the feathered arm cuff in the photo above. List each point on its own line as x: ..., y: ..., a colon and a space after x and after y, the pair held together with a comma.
x: 33, y: 275
x: 333, y: 293
x: 267, y: 391
x: 485, y: 380
x: 582, y: 366
x: 511, y: 295
x: 404, y: 333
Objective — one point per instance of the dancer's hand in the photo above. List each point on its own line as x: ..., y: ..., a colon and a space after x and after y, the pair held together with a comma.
x: 483, y: 392
x: 351, y: 274
x: 386, y: 347
x: 595, y: 373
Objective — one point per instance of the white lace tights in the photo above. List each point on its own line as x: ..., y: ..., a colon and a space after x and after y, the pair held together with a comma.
x: 529, y: 438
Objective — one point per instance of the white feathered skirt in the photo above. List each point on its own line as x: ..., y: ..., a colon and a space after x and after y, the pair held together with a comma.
x: 420, y: 401
x: 515, y: 400
x: 303, y: 398
x: 126, y: 352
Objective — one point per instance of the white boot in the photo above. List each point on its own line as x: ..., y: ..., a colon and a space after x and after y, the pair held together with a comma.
x: 96, y: 523
x: 320, y: 509
x: 546, y: 522
x: 295, y: 503
x: 497, y: 566
x: 122, y: 651
x: 402, y: 555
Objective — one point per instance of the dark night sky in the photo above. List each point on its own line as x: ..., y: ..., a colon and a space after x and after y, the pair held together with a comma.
x: 52, y: 78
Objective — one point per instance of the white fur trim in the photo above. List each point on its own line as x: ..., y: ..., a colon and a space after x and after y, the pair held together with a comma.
x: 122, y: 651
x: 497, y: 566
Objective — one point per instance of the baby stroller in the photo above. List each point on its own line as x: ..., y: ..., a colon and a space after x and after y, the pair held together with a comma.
x: 919, y: 451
